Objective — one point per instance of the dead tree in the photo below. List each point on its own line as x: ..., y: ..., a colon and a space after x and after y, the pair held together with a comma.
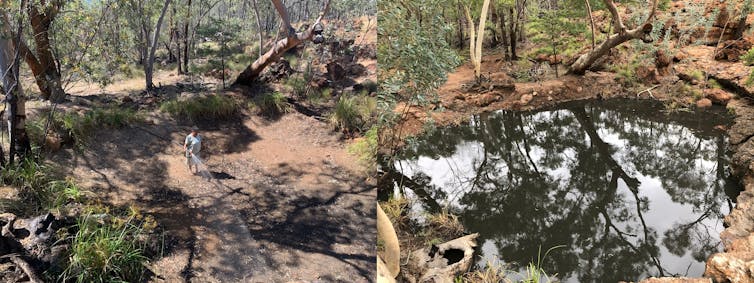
x: 622, y: 35
x: 313, y: 33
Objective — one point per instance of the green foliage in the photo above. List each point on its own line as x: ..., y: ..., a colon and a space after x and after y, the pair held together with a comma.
x: 712, y: 83
x: 106, y: 252
x: 663, y: 5
x: 402, y: 35
x: 272, y: 103
x: 748, y: 60
x: 748, y: 57
x: 562, y: 31
x: 206, y: 108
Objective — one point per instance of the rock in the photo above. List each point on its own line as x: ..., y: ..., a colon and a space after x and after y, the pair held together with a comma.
x: 647, y: 74
x: 335, y: 71
x: 525, y: 99
x: 445, y: 261
x: 717, y: 96
x: 704, y: 103
x: 680, y: 56
x: 730, y: 267
x: 675, y: 280
x: 732, y: 50
x: 485, y: 99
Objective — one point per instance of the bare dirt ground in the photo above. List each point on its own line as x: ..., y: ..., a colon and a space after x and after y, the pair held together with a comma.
x: 287, y: 202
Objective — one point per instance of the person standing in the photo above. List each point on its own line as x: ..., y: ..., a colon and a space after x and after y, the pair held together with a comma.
x: 192, y: 145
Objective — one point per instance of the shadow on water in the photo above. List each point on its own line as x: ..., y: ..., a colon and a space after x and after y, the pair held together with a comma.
x: 630, y: 191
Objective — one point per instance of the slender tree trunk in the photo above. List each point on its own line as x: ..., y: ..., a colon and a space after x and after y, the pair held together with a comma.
x: 252, y: 72
x: 512, y: 32
x: 149, y: 66
x: 461, y: 39
x: 503, y: 33
x: 259, y: 26
x: 9, y: 70
x: 186, y: 38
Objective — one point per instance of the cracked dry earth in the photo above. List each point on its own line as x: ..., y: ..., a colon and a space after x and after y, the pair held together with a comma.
x: 287, y: 203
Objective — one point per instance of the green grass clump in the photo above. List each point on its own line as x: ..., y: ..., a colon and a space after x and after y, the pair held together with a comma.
x: 748, y: 57
x: 298, y: 85
x: 365, y: 149
x: 38, y: 190
x: 208, y: 108
x: 271, y: 103
x: 106, y: 252
x: 697, y: 75
x: 353, y: 113
x: 82, y: 126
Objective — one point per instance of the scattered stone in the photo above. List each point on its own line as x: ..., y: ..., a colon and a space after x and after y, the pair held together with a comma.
x: 704, y: 103
x: 721, y: 128
x: 549, y: 98
x: 717, y: 96
x: 526, y: 98
x: 730, y: 267
x: 579, y: 89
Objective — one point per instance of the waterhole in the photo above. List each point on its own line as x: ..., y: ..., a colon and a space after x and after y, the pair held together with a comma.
x: 625, y: 188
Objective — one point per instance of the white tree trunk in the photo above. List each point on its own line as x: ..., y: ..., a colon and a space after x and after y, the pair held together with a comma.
x: 149, y: 64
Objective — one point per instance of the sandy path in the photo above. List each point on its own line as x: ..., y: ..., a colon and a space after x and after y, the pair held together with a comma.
x: 288, y: 203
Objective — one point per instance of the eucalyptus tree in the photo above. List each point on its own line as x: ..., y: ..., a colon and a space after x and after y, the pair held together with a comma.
x: 9, y: 70
x: 42, y: 61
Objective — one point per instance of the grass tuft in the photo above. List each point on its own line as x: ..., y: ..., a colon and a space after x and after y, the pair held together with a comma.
x: 106, y: 252
x: 208, y: 108
x: 272, y: 103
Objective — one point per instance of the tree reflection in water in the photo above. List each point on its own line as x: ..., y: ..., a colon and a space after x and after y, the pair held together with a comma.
x: 629, y: 191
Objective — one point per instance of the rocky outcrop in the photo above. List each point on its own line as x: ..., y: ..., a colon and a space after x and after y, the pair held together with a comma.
x: 736, y: 263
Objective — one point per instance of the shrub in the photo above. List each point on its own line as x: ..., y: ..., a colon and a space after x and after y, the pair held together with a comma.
x: 208, y: 108
x: 748, y: 58
x: 272, y: 103
x: 106, y: 252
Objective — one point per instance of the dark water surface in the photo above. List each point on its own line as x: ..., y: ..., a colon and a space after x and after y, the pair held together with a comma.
x: 628, y: 190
